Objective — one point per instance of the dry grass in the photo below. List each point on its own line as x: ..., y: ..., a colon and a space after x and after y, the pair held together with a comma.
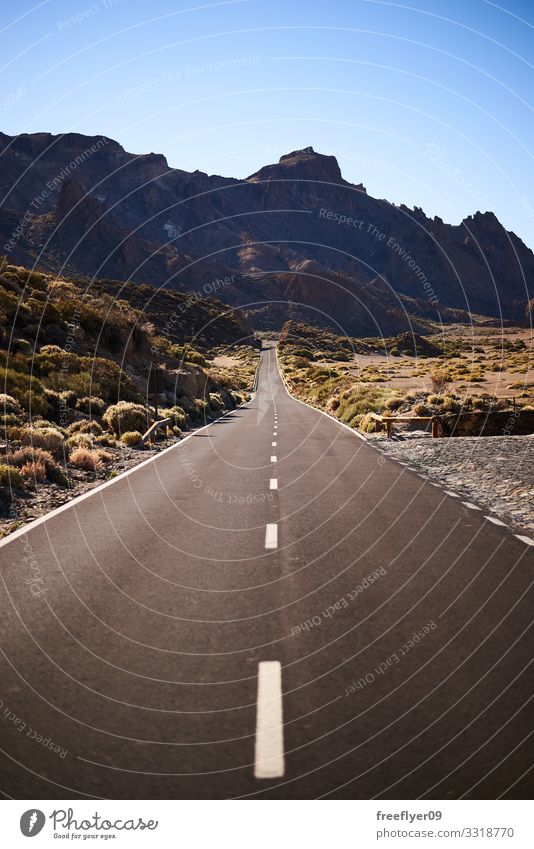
x: 88, y: 461
x: 34, y: 470
x: 131, y: 438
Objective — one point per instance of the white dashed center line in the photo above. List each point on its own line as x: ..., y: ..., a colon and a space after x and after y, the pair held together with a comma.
x: 273, y: 483
x: 273, y: 444
x: 271, y: 536
x: 269, y: 750
x: 273, y: 458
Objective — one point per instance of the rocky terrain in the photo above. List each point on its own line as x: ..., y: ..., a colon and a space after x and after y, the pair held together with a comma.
x: 294, y: 240
x: 495, y: 473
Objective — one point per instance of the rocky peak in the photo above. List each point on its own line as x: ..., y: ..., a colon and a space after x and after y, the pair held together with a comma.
x: 303, y: 164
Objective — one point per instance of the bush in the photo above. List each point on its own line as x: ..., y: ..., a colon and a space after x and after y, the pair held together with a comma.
x: 200, y: 408
x: 360, y: 399
x: 367, y: 424
x: 393, y: 403
x: 422, y: 410
x: 126, y: 416
x: 131, y: 438
x: 106, y: 439
x: 34, y: 470
x: 10, y: 420
x: 88, y: 461
x: 8, y: 404
x: 303, y: 353
x: 105, y: 456
x: 28, y: 454
x: 10, y: 477
x: 215, y: 402
x: 47, y: 438
x: 80, y: 440
x: 91, y: 405
x: 187, y: 355
x: 438, y: 378
x: 84, y: 426
x: 451, y: 404
x: 178, y: 417
x: 434, y: 399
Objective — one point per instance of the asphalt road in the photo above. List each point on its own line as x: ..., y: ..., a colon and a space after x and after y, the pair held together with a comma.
x: 191, y: 632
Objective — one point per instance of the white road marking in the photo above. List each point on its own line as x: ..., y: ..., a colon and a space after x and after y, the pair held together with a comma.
x: 273, y: 483
x: 526, y: 540
x: 271, y: 536
x: 470, y: 506
x: 269, y: 750
x: 273, y: 458
x: 273, y: 444
x: 452, y: 494
x: 495, y: 521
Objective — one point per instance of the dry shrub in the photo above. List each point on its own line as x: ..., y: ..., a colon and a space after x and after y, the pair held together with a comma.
x: 105, y: 456
x: 393, y: 403
x: 106, y: 439
x: 422, y: 410
x: 91, y: 405
x: 84, y: 426
x: 10, y: 477
x: 126, y: 416
x: 47, y: 438
x: 80, y: 440
x: 28, y: 454
x: 34, y: 470
x: 82, y: 458
x: 8, y: 404
x: 438, y: 378
x: 131, y: 438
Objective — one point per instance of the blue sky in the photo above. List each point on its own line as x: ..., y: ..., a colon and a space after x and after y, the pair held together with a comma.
x: 428, y: 103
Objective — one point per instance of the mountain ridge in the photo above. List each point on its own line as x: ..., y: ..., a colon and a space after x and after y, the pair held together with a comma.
x: 294, y: 232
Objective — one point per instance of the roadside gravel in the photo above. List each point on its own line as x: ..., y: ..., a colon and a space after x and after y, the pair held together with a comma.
x: 497, y: 473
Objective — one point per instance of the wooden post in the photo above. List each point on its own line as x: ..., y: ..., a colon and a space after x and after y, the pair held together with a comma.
x: 389, y: 426
x: 435, y: 427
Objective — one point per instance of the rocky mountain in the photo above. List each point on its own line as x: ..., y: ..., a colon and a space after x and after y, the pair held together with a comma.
x: 294, y: 240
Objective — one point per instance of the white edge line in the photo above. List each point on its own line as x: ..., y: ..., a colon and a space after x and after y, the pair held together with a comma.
x: 470, y: 506
x: 526, y: 540
x: 25, y: 529
x: 269, y: 744
x: 321, y: 412
x: 495, y: 521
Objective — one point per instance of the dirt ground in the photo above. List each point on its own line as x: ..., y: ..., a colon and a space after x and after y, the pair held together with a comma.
x: 485, y: 363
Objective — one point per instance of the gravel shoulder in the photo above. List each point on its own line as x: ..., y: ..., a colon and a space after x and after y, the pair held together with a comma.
x: 497, y: 473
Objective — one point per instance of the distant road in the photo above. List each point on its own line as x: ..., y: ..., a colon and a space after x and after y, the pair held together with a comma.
x: 236, y: 617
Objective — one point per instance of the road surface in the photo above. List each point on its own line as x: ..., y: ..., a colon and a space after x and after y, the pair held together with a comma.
x: 269, y: 609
